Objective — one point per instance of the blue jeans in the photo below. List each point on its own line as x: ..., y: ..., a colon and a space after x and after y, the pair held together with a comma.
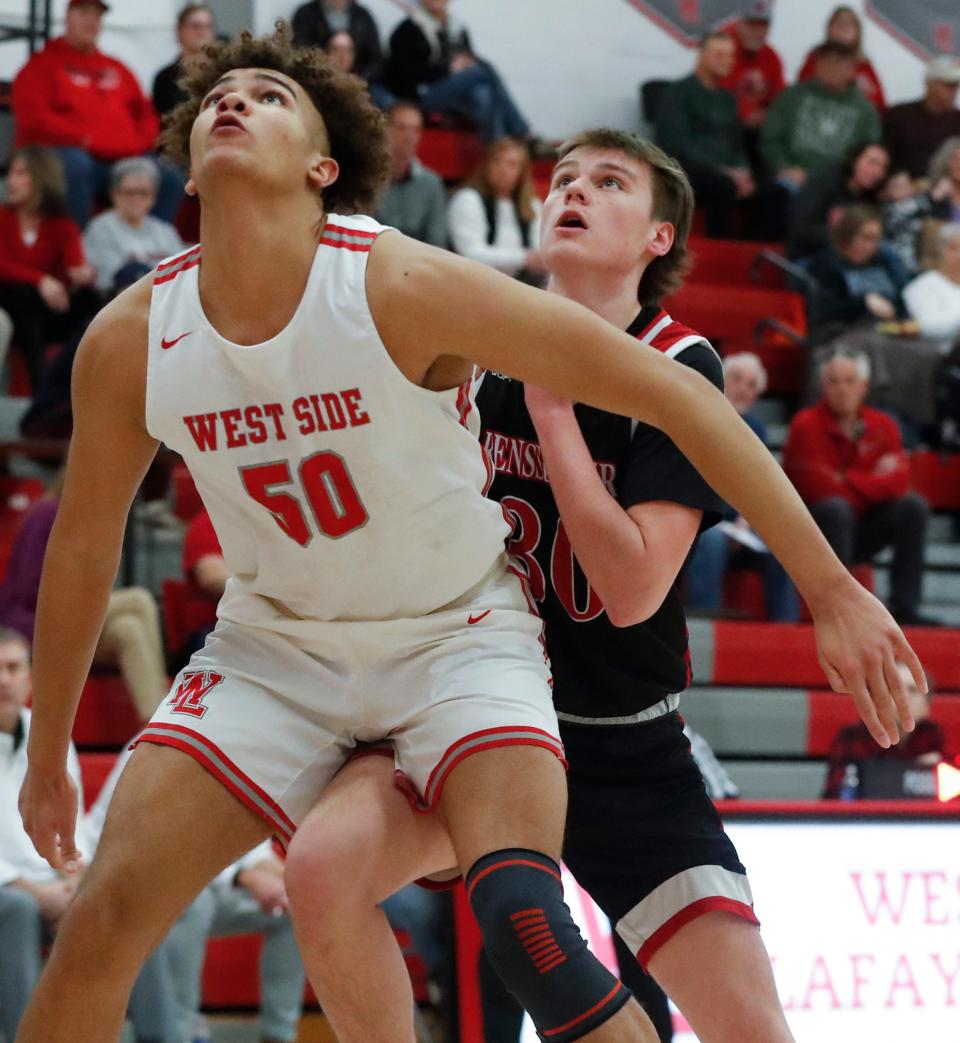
x: 478, y: 92
x: 707, y: 569
x: 88, y: 178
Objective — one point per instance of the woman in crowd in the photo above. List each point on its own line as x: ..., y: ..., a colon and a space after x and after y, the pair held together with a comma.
x: 432, y: 62
x: 944, y: 176
x: 844, y: 26
x: 820, y: 202
x: 495, y: 217
x: 130, y: 638
x: 45, y: 280
x: 859, y: 277
x: 933, y: 299
x: 341, y: 48
x: 124, y: 243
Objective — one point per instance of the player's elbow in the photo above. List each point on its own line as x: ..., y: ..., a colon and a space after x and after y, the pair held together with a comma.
x: 634, y: 605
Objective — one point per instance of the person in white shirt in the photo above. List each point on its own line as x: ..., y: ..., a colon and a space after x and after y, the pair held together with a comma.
x: 248, y: 897
x: 933, y: 298
x: 495, y: 217
x: 125, y: 242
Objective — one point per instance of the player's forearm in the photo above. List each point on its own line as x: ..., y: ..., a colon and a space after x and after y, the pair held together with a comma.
x: 72, y: 604
x: 607, y: 543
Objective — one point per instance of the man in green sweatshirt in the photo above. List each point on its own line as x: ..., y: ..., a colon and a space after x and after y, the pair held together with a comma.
x: 698, y: 124
x: 815, y: 124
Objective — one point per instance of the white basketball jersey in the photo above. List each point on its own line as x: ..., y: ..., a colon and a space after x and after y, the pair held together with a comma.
x: 338, y: 488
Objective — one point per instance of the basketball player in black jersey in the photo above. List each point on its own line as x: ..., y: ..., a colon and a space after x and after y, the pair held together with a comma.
x: 602, y: 545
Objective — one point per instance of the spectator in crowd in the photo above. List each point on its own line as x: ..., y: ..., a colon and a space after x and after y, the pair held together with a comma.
x: 813, y: 125
x: 933, y: 298
x: 859, y: 277
x: 90, y: 107
x: 342, y: 51
x: 33, y: 897
x: 697, y: 122
x: 910, y: 215
x: 125, y: 242
x: 757, y: 75
x: 432, y: 62
x: 853, y: 744
x: 130, y: 638
x: 735, y: 544
x: 316, y: 22
x: 847, y: 462
x: 944, y: 176
x: 248, y: 897
x: 495, y: 217
x: 415, y: 201
x: 914, y: 130
x: 45, y: 279
x: 195, y: 29
x: 817, y: 207
x: 6, y: 335
x: 844, y: 27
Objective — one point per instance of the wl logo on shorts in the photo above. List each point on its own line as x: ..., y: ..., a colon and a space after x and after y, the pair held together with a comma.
x: 190, y: 693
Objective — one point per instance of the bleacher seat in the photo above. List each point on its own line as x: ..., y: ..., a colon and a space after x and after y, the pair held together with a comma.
x: 94, y: 769
x: 936, y: 476
x: 185, y: 611
x: 106, y: 717
x: 732, y: 262
x: 450, y: 152
x: 186, y: 499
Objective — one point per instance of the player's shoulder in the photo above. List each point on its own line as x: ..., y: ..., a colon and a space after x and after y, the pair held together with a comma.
x: 114, y: 347
x: 676, y: 340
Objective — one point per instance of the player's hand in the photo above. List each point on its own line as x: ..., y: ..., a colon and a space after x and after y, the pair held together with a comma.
x: 54, y: 294
x: 859, y: 645
x: 542, y: 403
x: 267, y: 888
x: 48, y: 807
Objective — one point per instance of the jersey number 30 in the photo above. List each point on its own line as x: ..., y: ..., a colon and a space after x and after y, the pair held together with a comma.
x: 327, y: 487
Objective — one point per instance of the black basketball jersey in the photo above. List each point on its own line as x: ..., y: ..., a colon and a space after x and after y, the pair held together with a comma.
x: 599, y: 670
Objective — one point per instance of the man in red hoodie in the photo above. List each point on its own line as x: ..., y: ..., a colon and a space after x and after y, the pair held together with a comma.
x: 847, y: 462
x: 90, y: 107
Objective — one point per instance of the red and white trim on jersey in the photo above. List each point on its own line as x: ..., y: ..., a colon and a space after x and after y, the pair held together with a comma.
x: 678, y: 901
x: 669, y: 336
x: 224, y: 770
x: 476, y: 742
x: 347, y: 238
x: 169, y: 270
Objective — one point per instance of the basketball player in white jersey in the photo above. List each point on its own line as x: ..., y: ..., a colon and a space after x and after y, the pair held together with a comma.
x: 317, y: 376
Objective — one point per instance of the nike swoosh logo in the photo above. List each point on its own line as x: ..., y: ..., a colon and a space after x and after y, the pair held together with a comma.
x: 476, y: 619
x: 167, y: 344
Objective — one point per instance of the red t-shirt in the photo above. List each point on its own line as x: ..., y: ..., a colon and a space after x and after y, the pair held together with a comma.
x: 756, y: 79
x: 867, y: 80
x: 58, y: 247
x: 199, y: 542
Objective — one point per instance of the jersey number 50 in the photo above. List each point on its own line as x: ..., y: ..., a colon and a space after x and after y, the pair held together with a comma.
x: 327, y: 486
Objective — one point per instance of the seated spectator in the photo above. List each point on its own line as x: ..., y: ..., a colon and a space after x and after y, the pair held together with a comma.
x: 195, y: 29
x: 34, y: 897
x: 73, y: 97
x: 944, y: 177
x: 814, y: 125
x: 45, y: 279
x: 248, y: 897
x: 432, y: 62
x: 915, y: 130
x: 415, y: 201
x: 495, y: 217
x: 130, y: 638
x: 718, y: 549
x: 844, y: 27
x: 907, y: 213
x: 933, y: 298
x: 853, y: 745
x: 859, y: 278
x: 342, y: 51
x: 847, y: 462
x: 817, y: 207
x: 6, y: 335
x: 757, y: 75
x: 316, y: 22
x: 697, y: 123
x: 124, y: 243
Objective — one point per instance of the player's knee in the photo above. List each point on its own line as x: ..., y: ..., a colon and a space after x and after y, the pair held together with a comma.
x: 535, y: 946
x: 322, y: 875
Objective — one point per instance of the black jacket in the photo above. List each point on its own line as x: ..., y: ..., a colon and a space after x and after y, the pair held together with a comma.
x: 311, y: 29
x: 412, y: 64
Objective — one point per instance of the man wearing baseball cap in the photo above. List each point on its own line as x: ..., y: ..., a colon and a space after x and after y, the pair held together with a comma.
x: 757, y: 76
x: 915, y: 130
x: 90, y: 107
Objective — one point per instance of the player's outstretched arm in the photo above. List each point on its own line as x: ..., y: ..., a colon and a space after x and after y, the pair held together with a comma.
x: 109, y: 455
x: 429, y: 305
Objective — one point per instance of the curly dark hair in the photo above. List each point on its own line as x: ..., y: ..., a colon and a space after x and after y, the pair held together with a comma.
x: 672, y: 201
x: 355, y: 127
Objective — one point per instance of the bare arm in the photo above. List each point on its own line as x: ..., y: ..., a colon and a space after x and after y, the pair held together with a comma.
x: 210, y: 574
x: 427, y: 303
x: 109, y: 455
